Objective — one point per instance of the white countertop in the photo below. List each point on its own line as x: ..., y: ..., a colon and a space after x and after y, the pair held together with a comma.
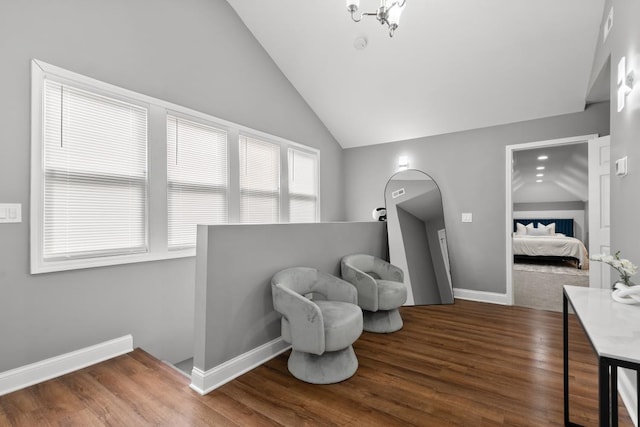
x: 612, y: 327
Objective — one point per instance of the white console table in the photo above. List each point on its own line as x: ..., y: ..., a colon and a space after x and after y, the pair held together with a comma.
x: 614, y: 332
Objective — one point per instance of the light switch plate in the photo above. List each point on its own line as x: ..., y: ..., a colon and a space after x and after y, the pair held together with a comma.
x: 10, y: 212
x: 467, y: 217
x: 621, y: 166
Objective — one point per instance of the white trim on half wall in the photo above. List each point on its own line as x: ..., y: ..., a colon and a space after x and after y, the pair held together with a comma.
x: 47, y: 369
x: 206, y: 381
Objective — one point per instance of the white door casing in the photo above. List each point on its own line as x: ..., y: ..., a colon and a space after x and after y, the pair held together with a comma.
x: 599, y: 208
x: 509, y: 200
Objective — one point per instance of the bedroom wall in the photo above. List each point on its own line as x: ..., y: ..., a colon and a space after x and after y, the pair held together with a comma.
x: 469, y: 167
x: 195, y: 53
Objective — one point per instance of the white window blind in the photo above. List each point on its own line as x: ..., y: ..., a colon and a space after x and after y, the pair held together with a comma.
x: 303, y: 186
x: 197, y: 179
x: 259, y: 181
x: 95, y: 174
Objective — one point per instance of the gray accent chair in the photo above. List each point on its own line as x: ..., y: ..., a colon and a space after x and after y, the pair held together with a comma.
x: 381, y: 291
x: 321, y: 321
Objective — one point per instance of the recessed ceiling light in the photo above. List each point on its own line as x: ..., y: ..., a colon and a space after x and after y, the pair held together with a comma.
x: 539, y: 175
x: 540, y: 168
x: 538, y: 180
x: 543, y: 157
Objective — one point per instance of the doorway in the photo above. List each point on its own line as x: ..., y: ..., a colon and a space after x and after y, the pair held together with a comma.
x: 511, y: 182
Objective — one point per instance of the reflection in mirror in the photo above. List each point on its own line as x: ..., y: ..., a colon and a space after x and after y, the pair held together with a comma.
x: 417, y: 237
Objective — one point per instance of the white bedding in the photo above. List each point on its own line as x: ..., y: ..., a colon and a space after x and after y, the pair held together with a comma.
x: 551, y: 246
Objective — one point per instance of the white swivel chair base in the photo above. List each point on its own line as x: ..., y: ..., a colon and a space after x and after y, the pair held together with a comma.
x: 329, y: 368
x: 382, y: 322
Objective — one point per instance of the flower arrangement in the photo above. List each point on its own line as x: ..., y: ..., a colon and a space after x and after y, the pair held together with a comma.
x: 624, y: 267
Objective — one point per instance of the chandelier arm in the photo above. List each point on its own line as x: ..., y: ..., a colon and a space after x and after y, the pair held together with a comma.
x: 363, y: 14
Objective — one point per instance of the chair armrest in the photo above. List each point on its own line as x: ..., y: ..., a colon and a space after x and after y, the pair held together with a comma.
x: 304, y: 317
x: 335, y: 289
x: 388, y: 271
x: 364, y: 283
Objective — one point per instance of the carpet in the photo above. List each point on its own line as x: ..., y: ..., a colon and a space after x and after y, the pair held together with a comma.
x: 558, y: 267
x: 540, y: 286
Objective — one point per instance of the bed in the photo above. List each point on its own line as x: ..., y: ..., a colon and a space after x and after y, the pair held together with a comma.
x: 548, y: 239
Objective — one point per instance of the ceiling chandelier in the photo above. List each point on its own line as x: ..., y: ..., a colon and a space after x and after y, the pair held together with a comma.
x: 388, y: 13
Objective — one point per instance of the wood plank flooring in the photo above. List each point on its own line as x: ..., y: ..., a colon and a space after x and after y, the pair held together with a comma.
x: 467, y: 364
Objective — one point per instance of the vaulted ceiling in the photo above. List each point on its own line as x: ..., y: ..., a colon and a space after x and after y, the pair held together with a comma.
x: 564, y: 177
x: 452, y: 65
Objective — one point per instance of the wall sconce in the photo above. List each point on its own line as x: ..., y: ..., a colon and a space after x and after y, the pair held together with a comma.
x: 625, y: 82
x: 403, y: 163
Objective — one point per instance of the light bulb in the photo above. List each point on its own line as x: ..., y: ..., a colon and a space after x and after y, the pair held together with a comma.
x: 394, y: 13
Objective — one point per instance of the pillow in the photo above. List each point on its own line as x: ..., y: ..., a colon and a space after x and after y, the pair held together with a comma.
x: 551, y: 227
x: 538, y: 231
x: 522, y: 229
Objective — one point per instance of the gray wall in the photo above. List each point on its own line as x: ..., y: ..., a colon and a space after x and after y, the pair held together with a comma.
x: 196, y: 53
x: 235, y: 266
x: 469, y: 167
x: 625, y: 128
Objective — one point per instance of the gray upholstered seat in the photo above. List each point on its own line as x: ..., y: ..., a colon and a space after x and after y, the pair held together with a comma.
x: 381, y: 290
x: 321, y: 320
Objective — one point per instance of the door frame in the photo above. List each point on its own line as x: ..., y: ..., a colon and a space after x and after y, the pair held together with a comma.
x: 510, y: 149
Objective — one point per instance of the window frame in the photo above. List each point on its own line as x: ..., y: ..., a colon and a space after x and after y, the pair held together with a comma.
x: 290, y: 153
x: 281, y: 190
x: 226, y: 190
x: 157, y: 182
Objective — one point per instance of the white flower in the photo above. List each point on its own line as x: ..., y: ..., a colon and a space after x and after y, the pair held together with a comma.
x: 628, y: 267
x: 624, y: 267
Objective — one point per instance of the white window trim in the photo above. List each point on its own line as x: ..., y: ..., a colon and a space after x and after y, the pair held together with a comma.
x: 289, y: 153
x: 157, y: 173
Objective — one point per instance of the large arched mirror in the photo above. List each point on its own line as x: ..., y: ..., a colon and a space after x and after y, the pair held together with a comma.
x: 417, y: 237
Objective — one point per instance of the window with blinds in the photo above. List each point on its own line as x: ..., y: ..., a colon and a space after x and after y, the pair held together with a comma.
x: 197, y: 179
x: 95, y: 174
x: 303, y: 186
x: 103, y: 192
x: 259, y: 181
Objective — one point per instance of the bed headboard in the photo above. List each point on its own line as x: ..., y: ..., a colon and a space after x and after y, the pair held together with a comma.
x: 563, y: 225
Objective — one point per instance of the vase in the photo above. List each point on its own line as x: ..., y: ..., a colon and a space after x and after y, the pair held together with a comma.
x: 625, y: 294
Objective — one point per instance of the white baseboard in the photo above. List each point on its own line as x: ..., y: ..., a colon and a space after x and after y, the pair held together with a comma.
x: 47, y: 369
x: 205, y: 382
x: 481, y: 296
x: 628, y: 393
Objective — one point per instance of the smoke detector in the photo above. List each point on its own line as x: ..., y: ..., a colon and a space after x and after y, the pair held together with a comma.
x: 360, y: 43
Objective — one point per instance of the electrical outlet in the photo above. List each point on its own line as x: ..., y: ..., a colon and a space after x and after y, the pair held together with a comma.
x: 397, y: 193
x: 10, y: 212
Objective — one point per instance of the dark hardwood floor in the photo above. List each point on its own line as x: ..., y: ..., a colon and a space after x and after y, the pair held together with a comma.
x: 468, y: 364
